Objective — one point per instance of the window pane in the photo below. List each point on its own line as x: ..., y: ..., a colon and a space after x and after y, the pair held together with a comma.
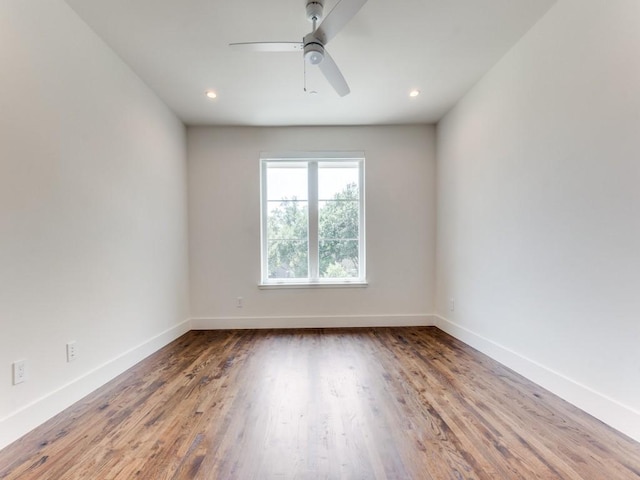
x: 287, y: 237
x: 338, y: 238
x: 339, y: 259
x: 287, y: 181
x: 288, y: 258
x: 337, y: 180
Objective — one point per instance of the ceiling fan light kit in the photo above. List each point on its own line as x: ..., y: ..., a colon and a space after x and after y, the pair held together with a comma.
x: 313, y: 44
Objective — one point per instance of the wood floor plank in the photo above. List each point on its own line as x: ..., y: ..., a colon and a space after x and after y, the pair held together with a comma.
x: 374, y: 403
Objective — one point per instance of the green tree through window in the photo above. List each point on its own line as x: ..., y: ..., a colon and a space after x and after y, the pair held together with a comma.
x: 287, y: 234
x: 338, y: 234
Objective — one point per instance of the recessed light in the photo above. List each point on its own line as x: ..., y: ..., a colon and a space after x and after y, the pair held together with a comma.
x: 211, y: 94
x: 414, y: 93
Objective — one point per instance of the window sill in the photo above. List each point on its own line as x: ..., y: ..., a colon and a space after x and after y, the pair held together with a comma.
x: 285, y: 285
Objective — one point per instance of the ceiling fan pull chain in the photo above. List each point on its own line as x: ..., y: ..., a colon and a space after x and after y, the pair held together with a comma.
x: 304, y: 74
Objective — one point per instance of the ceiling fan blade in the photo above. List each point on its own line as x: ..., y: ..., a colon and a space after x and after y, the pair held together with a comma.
x: 333, y: 75
x: 337, y: 18
x: 268, y: 46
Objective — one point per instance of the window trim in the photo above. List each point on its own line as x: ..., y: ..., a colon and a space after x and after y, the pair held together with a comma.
x: 312, y: 158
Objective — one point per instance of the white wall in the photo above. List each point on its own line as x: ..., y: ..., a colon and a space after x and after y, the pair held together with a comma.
x: 93, y: 237
x: 224, y: 218
x: 539, y: 209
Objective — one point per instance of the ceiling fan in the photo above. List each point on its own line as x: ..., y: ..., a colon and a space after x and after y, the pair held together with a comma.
x: 313, y: 44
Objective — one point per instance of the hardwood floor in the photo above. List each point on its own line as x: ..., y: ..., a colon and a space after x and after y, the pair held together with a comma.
x: 394, y: 403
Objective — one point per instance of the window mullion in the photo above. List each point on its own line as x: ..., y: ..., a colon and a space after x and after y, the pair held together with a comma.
x: 313, y: 220
x: 361, y: 222
x: 263, y: 219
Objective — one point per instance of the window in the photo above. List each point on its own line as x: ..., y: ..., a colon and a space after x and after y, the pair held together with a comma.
x: 313, y: 218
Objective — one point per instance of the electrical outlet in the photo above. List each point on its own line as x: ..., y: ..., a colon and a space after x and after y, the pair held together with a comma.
x: 239, y: 302
x: 19, y: 371
x: 72, y: 351
x: 452, y: 304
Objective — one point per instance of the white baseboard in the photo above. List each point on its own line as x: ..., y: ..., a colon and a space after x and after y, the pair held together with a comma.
x: 302, y: 321
x: 39, y: 411
x: 621, y: 417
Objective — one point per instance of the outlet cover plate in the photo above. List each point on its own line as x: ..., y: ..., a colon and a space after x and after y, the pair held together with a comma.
x: 72, y: 351
x: 19, y: 371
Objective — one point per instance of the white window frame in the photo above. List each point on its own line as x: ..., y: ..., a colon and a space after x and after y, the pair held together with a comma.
x: 312, y: 159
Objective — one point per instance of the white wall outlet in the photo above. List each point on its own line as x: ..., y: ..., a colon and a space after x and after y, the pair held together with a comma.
x: 239, y: 302
x: 72, y: 351
x: 452, y: 304
x: 19, y: 371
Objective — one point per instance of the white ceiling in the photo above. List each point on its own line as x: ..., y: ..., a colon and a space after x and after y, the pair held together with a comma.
x: 180, y: 49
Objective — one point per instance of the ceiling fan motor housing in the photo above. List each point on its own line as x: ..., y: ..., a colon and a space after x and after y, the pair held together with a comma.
x: 313, y: 50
